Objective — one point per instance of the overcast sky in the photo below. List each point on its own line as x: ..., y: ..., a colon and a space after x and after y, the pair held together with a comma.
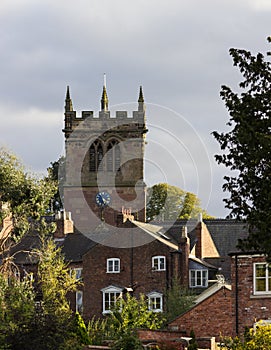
x: 177, y: 50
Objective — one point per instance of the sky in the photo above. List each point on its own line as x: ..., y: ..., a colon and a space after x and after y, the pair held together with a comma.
x: 178, y: 50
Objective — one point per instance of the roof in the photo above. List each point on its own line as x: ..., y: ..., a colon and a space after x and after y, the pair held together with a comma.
x: 211, y: 291
x: 156, y: 232
x: 225, y: 233
x: 75, y: 246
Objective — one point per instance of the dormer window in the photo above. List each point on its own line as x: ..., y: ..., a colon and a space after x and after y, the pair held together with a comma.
x: 159, y: 263
x: 198, y: 278
x: 113, y: 265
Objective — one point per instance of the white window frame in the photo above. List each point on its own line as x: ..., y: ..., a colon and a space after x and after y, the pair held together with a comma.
x: 78, y: 273
x: 115, y: 268
x: 110, y: 295
x: 153, y: 297
x: 159, y: 263
x: 198, y: 274
x: 79, y: 301
x: 266, y: 278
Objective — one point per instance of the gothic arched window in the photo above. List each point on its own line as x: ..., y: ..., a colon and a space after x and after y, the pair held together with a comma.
x: 113, y: 156
x: 95, y: 155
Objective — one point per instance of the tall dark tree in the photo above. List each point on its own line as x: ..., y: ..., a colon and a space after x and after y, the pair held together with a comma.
x: 247, y: 149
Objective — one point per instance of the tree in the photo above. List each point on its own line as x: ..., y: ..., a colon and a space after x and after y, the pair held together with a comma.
x: 56, y: 173
x: 166, y: 202
x: 179, y: 299
x: 28, y: 195
x: 256, y: 339
x: 247, y: 149
x: 132, y: 313
x: 129, y: 315
x: 193, y: 345
x: 35, y: 314
x: 17, y: 310
x: 54, y: 324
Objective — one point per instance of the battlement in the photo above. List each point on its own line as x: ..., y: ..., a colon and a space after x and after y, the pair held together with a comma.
x: 103, y: 118
x: 72, y: 121
x: 105, y: 115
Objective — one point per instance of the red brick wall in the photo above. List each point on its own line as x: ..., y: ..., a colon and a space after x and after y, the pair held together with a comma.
x: 209, y: 318
x: 145, y: 280
x: 250, y: 307
x: 162, y: 337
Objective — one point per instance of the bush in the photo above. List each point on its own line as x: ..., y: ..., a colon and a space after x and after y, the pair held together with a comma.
x: 128, y: 342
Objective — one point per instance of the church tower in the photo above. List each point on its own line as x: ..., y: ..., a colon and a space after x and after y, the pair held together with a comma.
x: 104, y: 163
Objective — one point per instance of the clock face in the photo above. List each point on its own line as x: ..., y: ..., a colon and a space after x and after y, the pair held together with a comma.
x: 102, y: 199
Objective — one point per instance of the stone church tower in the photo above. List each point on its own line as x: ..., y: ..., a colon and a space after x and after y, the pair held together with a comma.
x: 104, y: 164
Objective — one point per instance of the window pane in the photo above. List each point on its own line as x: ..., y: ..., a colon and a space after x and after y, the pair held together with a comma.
x: 79, y: 301
x: 116, y: 268
x: 204, y: 278
x: 155, y: 264
x: 110, y: 265
x: 162, y: 263
x: 260, y: 270
x: 92, y: 165
x: 192, y: 276
x: 117, y: 157
x: 198, y: 278
x: 109, y: 155
x: 107, y: 301
x: 260, y: 285
x: 99, y: 155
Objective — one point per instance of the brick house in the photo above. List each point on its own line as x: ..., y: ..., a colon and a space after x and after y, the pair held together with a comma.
x: 211, y: 316
x: 251, y: 290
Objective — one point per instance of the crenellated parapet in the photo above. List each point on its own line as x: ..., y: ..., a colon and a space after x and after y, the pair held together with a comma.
x: 104, y: 119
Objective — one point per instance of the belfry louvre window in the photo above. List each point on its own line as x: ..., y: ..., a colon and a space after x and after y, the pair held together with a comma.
x: 113, y: 156
x: 95, y: 155
x: 262, y: 278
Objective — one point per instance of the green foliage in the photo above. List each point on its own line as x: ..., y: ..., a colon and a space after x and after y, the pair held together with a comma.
x: 97, y: 330
x: 79, y: 329
x: 179, y: 299
x: 17, y: 310
x: 56, y: 173
x: 193, y: 345
x: 39, y: 318
x: 256, y: 340
x: 127, y: 342
x: 247, y: 149
x: 131, y: 314
x: 27, y: 195
x: 166, y: 202
x: 54, y: 278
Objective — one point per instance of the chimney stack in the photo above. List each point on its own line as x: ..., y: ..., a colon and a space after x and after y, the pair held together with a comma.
x: 64, y: 224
